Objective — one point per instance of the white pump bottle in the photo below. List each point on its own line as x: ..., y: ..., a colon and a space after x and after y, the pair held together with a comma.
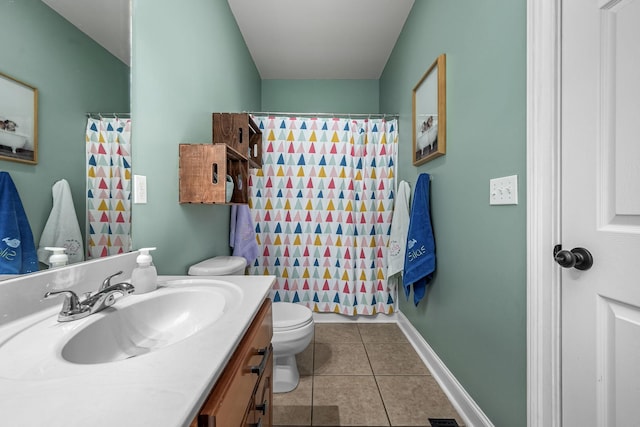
x: 59, y: 258
x: 144, y: 277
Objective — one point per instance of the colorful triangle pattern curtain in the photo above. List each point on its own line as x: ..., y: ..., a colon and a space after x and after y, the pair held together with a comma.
x: 108, y: 143
x: 322, y: 206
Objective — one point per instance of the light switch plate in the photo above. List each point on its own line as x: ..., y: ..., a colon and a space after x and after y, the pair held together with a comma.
x: 140, y: 189
x: 503, y: 191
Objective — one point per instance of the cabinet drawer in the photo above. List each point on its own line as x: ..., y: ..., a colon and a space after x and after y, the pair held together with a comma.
x: 231, y: 397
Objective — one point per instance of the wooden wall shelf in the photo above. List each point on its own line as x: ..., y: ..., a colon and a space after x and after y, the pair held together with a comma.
x: 237, y: 146
x: 203, y: 172
x: 240, y: 132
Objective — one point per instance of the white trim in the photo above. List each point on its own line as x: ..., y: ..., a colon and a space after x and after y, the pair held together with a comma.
x: 341, y: 318
x: 467, y: 408
x: 544, y: 401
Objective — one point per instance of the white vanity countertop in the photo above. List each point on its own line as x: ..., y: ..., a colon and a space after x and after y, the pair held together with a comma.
x: 163, y: 388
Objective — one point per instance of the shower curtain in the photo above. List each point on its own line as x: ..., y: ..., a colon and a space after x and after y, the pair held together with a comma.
x: 322, y: 206
x: 108, y: 143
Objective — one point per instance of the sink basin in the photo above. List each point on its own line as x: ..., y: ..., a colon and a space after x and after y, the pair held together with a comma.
x: 144, y: 327
x: 135, y: 327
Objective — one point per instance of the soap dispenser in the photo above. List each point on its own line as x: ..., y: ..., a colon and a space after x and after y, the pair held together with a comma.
x: 59, y: 258
x: 144, y: 277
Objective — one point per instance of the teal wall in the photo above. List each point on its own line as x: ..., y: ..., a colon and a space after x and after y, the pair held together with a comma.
x: 188, y: 62
x: 74, y: 75
x: 475, y: 311
x: 474, y: 314
x: 320, y: 96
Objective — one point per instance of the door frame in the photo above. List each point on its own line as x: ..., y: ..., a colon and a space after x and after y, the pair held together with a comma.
x: 544, y: 373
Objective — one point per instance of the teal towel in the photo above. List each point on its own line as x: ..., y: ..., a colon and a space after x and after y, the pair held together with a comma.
x: 420, y: 255
x: 17, y: 248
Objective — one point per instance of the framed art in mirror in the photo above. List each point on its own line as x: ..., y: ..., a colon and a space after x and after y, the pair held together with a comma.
x: 18, y: 121
x: 429, y: 114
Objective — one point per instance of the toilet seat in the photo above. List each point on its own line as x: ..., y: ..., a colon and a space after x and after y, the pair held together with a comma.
x: 219, y: 266
x: 288, y: 316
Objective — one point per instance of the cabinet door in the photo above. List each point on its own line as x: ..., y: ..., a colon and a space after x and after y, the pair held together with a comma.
x: 262, y: 406
x: 232, y: 396
x: 250, y: 417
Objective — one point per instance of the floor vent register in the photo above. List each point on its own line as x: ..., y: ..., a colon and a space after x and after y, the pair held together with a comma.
x: 443, y: 422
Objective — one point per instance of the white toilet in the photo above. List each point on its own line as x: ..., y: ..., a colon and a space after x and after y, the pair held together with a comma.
x: 292, y: 323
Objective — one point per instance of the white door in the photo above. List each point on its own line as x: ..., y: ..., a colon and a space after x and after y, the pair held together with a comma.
x: 601, y: 212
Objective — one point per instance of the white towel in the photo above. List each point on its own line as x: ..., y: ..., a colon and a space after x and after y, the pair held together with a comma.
x: 398, y: 238
x: 62, y: 229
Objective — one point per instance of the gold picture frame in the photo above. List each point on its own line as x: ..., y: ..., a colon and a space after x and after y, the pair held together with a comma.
x: 429, y: 113
x: 18, y: 121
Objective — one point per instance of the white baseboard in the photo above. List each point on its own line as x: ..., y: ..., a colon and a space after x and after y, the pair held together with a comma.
x: 341, y: 318
x: 467, y: 408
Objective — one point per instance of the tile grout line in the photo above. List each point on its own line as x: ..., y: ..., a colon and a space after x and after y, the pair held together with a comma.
x: 374, y: 337
x: 386, y: 413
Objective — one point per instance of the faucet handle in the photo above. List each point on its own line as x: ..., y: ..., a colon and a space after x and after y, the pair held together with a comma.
x: 107, y: 282
x: 71, y: 302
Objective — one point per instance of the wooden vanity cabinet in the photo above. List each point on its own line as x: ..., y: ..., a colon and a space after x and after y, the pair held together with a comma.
x: 243, y: 394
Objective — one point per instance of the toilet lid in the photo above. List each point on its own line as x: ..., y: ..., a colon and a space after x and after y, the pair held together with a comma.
x: 218, y: 266
x: 290, y: 316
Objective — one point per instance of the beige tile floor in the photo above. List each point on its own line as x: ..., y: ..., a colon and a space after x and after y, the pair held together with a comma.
x: 361, y: 375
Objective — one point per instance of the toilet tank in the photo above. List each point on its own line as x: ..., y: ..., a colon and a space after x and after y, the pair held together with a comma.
x: 219, y: 266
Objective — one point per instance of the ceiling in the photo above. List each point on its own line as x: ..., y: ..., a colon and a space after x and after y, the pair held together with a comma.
x: 111, y: 31
x: 287, y: 39
x: 329, y: 39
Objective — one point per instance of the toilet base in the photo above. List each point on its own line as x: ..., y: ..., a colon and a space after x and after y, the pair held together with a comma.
x: 285, y: 374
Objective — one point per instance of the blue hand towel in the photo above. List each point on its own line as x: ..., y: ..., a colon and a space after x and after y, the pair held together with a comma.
x: 17, y: 248
x: 242, y: 234
x: 420, y: 256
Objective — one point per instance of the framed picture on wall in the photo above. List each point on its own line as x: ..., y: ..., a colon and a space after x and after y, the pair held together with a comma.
x: 18, y: 121
x: 429, y: 114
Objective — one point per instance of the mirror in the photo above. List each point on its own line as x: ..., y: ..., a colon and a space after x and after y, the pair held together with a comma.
x: 74, y: 75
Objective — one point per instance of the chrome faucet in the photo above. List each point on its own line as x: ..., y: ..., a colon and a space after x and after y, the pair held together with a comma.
x: 107, y: 282
x: 73, y: 308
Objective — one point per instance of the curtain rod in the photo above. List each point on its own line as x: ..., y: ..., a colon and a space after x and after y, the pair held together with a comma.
x: 109, y: 115
x: 335, y: 115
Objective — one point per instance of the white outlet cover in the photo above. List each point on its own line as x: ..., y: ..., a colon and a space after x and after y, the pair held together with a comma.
x: 140, y: 189
x: 503, y: 191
